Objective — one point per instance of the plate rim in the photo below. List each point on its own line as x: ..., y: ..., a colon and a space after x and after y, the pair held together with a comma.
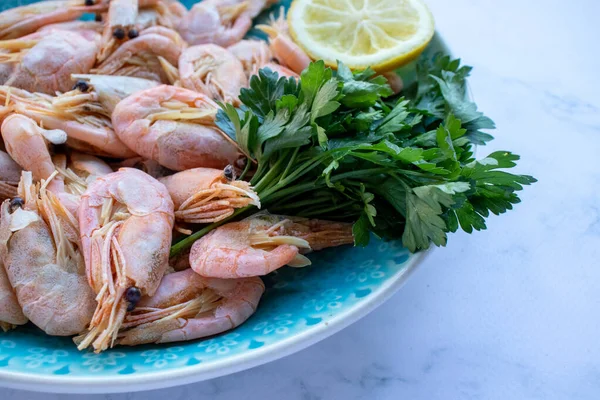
x: 202, y: 372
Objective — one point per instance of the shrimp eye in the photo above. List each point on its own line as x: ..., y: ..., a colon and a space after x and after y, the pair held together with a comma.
x: 82, y: 86
x: 89, y: 2
x: 133, y: 34
x: 119, y: 33
x: 229, y: 173
x: 16, y: 202
x: 133, y: 296
x: 58, y: 149
x: 98, y: 18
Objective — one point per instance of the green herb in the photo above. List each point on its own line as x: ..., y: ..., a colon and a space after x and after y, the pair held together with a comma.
x: 336, y: 146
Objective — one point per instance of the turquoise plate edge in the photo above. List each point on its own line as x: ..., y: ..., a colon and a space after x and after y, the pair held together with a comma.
x: 299, y: 308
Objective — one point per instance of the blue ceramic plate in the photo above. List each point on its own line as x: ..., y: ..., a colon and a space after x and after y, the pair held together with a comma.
x: 299, y: 308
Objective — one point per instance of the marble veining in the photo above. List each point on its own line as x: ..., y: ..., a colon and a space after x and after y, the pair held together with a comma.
x: 510, y: 313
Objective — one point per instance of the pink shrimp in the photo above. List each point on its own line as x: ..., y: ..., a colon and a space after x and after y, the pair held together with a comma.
x: 187, y: 306
x: 249, y: 8
x: 87, y: 131
x: 99, y: 94
x: 205, y: 195
x: 139, y: 57
x: 10, y: 173
x: 41, y: 251
x: 263, y: 243
x: 253, y: 54
x: 285, y: 50
x: 126, y: 219
x: 27, y: 144
x: 175, y: 127
x: 20, y: 21
x: 74, y: 26
x: 214, y: 71
x: 10, y: 310
x: 213, y: 23
x: 78, y: 171
x: 122, y: 24
x: 44, y: 61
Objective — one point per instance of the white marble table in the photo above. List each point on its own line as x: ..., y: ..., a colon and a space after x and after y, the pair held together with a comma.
x: 511, y: 313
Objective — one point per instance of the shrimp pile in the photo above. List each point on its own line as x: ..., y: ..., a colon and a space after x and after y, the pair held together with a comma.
x: 110, y: 148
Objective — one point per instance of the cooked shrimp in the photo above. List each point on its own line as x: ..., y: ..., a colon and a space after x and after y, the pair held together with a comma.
x: 41, y: 250
x: 74, y: 26
x: 214, y: 23
x: 214, y: 71
x: 205, y: 195
x: 250, y: 8
x: 44, y: 61
x: 88, y: 131
x: 10, y: 310
x: 253, y: 54
x: 263, y: 243
x: 126, y: 219
x: 175, y: 127
x: 20, y: 21
x: 27, y: 144
x: 99, y: 93
x: 140, y: 57
x: 122, y: 24
x: 89, y: 167
x: 187, y: 306
x: 285, y: 50
x: 10, y: 173
x: 77, y: 171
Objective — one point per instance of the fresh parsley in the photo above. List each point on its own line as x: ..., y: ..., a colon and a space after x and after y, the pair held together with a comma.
x: 335, y: 145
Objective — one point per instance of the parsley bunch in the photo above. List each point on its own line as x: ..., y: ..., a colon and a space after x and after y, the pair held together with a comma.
x: 336, y: 146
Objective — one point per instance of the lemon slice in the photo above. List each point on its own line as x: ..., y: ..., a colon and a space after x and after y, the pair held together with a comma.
x: 382, y: 34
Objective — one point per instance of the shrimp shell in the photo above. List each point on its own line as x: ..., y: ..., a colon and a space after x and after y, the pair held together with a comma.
x: 253, y: 54
x: 139, y: 57
x: 214, y: 71
x: 126, y: 219
x: 205, y: 195
x: 211, y: 23
x: 47, y: 66
x: 263, y: 243
x: 10, y: 310
x: 20, y: 21
x: 41, y: 253
x: 174, y: 126
x: 187, y: 306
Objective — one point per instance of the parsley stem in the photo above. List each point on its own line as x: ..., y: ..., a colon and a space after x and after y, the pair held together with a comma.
x: 321, y: 211
x: 282, y: 205
x: 246, y: 169
x: 299, y: 172
x: 290, y: 163
x: 189, y: 241
x: 269, y: 176
x: 270, y: 196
